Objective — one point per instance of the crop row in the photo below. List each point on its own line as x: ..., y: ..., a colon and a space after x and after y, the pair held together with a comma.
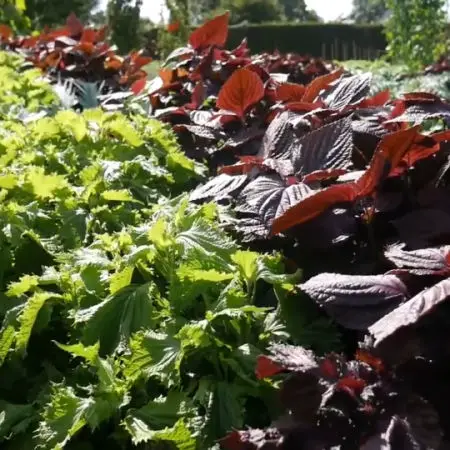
x: 148, y: 319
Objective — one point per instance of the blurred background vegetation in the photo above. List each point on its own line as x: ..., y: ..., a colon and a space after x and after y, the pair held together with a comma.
x: 408, y: 33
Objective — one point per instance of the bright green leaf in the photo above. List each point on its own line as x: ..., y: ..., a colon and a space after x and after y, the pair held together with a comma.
x: 121, y: 279
x: 90, y: 353
x: 121, y: 195
x: 26, y: 284
x: 122, y: 128
x: 8, y: 181
x: 62, y: 418
x: 178, y: 435
x: 28, y: 316
x: 114, y: 320
x: 44, y: 186
x: 152, y: 354
x: 247, y: 264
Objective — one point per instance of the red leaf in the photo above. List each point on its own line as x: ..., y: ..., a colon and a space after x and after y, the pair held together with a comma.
x: 319, y: 83
x: 265, y: 367
x: 89, y: 35
x: 442, y: 136
x: 379, y: 99
x: 421, y: 97
x: 303, y: 106
x: 314, y: 205
x: 198, y: 95
x: 138, y: 86
x: 368, y: 358
x: 86, y: 47
x: 5, y: 32
x: 259, y: 70
x: 167, y: 75
x: 355, y: 385
x: 29, y: 41
x: 241, y: 50
x: 173, y: 27
x: 138, y: 61
x: 328, y: 368
x: 321, y: 175
x: 388, y: 154
x: 101, y: 33
x: 241, y: 91
x: 399, y: 109
x: 290, y: 92
x: 244, y: 166
x: 213, y: 32
x: 114, y: 63
x: 74, y: 25
x: 415, y: 154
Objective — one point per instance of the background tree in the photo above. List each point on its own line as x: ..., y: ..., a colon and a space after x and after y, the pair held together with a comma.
x: 123, y: 23
x: 253, y: 11
x: 297, y: 11
x: 200, y: 10
x: 416, y: 31
x: 180, y: 20
x: 369, y: 11
x: 55, y: 12
x: 12, y: 14
x: 98, y: 18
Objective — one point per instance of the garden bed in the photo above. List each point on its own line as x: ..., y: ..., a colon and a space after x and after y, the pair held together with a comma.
x: 255, y: 243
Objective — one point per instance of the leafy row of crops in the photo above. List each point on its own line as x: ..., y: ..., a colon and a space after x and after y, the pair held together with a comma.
x: 151, y: 292
x: 129, y: 315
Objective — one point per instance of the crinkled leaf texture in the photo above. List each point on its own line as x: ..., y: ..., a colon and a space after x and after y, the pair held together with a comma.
x: 347, y: 91
x: 152, y: 354
x: 329, y: 147
x: 178, y: 436
x: 223, y: 403
x: 221, y: 186
x: 263, y: 200
x: 279, y: 138
x: 286, y: 357
x: 409, y: 314
x: 426, y: 261
x: 115, y: 319
x: 162, y: 419
x: 356, y: 301
x: 387, y: 156
x: 397, y: 436
x: 63, y: 417
x: 419, y: 109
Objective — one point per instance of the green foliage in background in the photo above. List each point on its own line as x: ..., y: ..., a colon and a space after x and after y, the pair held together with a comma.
x: 298, y: 11
x: 253, y: 11
x: 12, y: 14
x: 54, y: 12
x: 123, y: 22
x: 399, y: 79
x: 416, y: 31
x: 369, y: 11
x: 180, y: 14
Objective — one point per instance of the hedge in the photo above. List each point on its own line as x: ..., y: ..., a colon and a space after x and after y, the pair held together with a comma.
x: 330, y: 40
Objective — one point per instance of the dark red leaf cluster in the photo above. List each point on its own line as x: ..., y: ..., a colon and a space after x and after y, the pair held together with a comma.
x: 75, y: 51
x: 330, y: 402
